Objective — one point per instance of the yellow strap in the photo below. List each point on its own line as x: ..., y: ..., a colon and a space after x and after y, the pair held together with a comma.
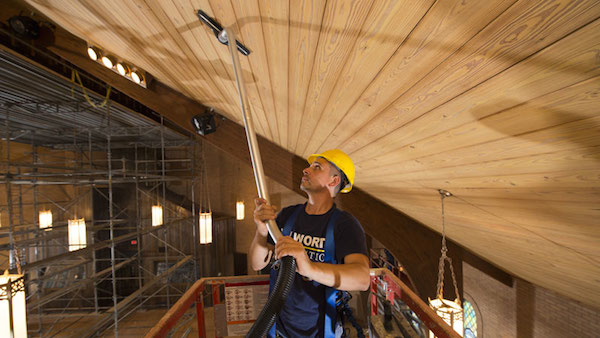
x: 75, y: 76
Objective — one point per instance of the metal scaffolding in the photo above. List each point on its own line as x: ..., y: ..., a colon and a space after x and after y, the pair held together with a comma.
x: 80, y: 161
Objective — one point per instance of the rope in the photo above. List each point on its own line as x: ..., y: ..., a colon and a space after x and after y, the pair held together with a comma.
x: 75, y: 76
x: 444, y: 257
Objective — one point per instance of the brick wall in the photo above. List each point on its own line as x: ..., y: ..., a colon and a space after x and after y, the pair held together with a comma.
x: 526, y: 310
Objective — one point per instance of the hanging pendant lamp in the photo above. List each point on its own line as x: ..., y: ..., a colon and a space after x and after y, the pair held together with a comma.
x: 45, y: 219
x: 239, y: 210
x: 13, y: 320
x: 205, y: 219
x: 77, y: 234
x: 450, y: 311
x: 157, y: 215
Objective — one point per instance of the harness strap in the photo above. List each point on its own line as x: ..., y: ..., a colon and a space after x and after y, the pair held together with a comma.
x: 330, y: 293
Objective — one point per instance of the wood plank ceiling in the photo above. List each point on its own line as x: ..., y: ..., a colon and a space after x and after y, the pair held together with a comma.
x: 496, y: 101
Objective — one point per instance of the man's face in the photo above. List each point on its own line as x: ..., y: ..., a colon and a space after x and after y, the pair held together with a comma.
x: 317, y: 176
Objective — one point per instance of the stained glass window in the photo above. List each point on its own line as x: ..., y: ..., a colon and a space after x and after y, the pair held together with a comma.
x: 470, y: 320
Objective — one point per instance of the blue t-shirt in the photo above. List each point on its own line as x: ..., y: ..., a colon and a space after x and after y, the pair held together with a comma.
x: 303, y: 314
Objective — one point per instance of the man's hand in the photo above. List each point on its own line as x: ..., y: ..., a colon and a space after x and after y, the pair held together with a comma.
x: 263, y: 212
x: 286, y: 246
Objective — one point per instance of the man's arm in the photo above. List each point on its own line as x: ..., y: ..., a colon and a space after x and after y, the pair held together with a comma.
x: 260, y: 248
x: 259, y: 252
x: 353, y: 275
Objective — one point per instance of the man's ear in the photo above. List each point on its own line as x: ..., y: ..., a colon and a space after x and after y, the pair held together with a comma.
x: 336, y: 181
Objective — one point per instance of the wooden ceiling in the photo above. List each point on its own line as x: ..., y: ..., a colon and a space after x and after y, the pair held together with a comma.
x: 495, y: 101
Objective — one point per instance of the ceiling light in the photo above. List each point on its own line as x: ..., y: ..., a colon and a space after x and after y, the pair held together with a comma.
x: 93, y: 53
x: 136, y: 77
x: 107, y: 62
x: 122, y: 68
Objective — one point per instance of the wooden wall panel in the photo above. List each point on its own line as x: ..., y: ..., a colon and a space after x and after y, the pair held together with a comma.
x: 305, y: 32
x: 385, y: 28
x: 341, y: 20
x: 519, y: 32
x: 206, y: 69
x: 249, y: 23
x: 561, y: 120
x: 223, y: 11
x: 275, y: 16
x: 567, y: 62
x: 495, y: 101
x: 438, y: 36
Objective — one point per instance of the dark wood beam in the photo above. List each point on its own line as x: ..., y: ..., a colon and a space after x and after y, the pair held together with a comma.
x: 488, y: 268
x: 416, y: 246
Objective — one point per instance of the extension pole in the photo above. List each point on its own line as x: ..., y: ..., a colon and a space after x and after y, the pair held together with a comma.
x: 227, y: 34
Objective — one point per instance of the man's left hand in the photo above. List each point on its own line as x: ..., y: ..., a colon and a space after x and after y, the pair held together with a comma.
x: 287, y: 246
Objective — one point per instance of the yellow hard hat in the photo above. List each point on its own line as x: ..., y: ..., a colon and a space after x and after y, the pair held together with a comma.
x: 340, y: 160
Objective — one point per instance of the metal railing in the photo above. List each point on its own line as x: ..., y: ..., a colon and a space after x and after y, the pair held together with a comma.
x: 195, y: 295
x: 384, y: 286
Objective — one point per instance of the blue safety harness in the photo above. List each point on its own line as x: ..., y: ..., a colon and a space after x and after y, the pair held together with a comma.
x: 330, y: 293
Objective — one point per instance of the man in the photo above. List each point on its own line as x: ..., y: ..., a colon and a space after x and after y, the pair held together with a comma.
x: 317, y: 235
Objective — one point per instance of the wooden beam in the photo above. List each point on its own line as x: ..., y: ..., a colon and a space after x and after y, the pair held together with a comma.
x: 415, y: 245
x: 487, y: 268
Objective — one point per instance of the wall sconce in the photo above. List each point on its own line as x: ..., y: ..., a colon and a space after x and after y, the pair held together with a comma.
x: 239, y: 210
x: 77, y: 234
x: 119, y: 67
x: 157, y: 215
x: 13, y: 320
x: 45, y: 219
x: 205, y: 227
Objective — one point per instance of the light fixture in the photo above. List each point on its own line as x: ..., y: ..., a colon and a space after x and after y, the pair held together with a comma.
x: 157, y: 215
x: 450, y: 311
x: 239, y: 210
x: 204, y: 123
x: 205, y: 220
x: 107, y: 62
x: 137, y: 77
x: 45, y: 219
x: 13, y: 320
x: 122, y: 68
x: 93, y: 53
x: 77, y: 234
x: 117, y: 65
x: 205, y: 227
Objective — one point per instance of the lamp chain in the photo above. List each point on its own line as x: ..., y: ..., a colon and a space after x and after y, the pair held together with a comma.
x: 444, y: 257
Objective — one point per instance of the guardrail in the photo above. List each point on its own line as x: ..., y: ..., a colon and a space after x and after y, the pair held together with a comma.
x: 195, y: 295
x: 394, y: 288
x: 381, y: 279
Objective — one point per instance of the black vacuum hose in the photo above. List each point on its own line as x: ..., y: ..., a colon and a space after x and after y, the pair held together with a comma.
x: 277, y: 298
